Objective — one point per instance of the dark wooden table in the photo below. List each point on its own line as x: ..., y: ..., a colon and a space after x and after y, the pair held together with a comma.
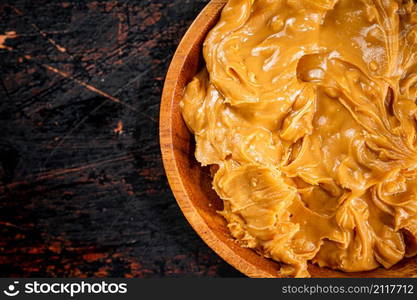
x: 82, y: 187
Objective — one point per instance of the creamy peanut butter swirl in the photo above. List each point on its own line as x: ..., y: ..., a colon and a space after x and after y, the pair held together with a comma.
x: 306, y: 109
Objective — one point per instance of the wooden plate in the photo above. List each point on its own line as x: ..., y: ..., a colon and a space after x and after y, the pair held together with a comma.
x: 191, y: 184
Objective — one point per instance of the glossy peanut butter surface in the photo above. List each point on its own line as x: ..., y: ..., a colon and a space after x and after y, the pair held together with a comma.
x: 306, y: 112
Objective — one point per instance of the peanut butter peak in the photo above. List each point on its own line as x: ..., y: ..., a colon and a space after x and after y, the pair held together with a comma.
x: 307, y: 111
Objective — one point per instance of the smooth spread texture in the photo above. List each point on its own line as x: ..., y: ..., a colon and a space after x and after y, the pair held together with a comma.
x: 306, y: 111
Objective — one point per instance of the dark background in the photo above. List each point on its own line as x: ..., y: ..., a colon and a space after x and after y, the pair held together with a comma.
x: 82, y: 187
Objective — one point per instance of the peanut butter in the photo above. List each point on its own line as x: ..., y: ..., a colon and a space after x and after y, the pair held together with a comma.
x: 306, y: 111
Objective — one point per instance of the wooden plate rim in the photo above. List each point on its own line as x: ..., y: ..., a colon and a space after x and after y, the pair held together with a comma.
x: 171, y: 88
x: 166, y: 133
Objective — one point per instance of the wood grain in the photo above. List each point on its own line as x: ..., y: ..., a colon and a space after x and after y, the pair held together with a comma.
x: 191, y: 184
x: 82, y: 188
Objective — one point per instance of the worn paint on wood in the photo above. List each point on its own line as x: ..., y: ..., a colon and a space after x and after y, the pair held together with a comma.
x: 82, y: 187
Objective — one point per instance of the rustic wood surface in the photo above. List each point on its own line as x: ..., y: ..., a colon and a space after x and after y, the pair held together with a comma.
x: 82, y: 188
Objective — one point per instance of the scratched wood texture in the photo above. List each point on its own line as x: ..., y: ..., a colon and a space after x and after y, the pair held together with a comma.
x: 82, y: 187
